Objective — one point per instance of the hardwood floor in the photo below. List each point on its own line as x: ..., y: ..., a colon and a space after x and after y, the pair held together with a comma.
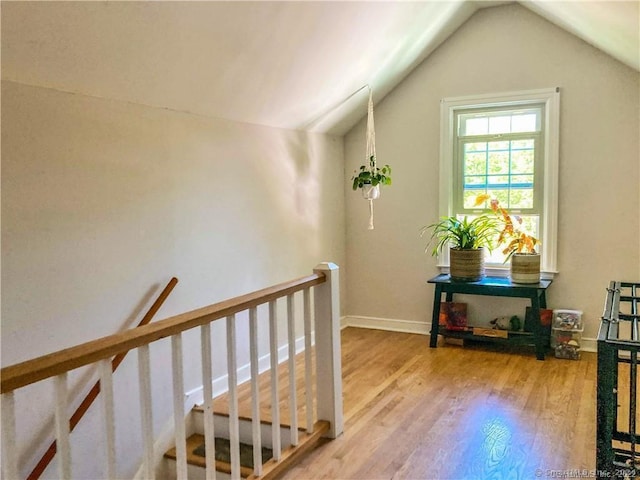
x: 412, y: 412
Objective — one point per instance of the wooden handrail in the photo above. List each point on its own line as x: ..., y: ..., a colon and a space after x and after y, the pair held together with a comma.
x: 95, y: 390
x: 31, y: 371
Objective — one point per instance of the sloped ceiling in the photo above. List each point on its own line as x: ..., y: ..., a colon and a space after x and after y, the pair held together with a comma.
x: 299, y: 65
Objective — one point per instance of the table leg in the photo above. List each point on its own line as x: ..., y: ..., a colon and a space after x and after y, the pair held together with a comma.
x: 537, y: 325
x: 543, y: 299
x: 435, y: 319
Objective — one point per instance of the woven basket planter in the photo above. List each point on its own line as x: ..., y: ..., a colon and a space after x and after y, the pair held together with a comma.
x: 525, y: 268
x: 466, y: 265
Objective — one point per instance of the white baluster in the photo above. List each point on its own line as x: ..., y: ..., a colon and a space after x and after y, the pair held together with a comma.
x: 328, y: 361
x: 232, y: 371
x: 308, y: 372
x: 178, y: 407
x: 255, y: 392
x: 293, y: 401
x: 9, y: 454
x: 146, y: 414
x: 209, y: 435
x: 63, y: 447
x: 275, y: 395
x: 106, y: 391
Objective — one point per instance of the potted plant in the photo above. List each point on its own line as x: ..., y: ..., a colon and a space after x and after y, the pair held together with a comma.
x: 370, y: 177
x: 520, y: 246
x: 467, y: 241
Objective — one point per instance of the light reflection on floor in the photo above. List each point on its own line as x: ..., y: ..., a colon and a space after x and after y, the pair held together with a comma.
x: 499, y: 447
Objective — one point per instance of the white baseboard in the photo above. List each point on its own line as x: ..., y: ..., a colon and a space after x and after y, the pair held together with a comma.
x: 389, y: 324
x: 589, y: 345
x: 421, y: 328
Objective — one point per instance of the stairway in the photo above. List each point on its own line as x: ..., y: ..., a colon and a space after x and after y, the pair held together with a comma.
x: 271, y: 468
x: 286, y: 393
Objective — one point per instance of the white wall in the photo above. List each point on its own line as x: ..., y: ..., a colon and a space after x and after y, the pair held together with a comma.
x: 498, y: 50
x: 104, y: 201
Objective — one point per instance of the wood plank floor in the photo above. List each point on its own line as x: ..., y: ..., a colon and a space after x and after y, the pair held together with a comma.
x: 412, y: 412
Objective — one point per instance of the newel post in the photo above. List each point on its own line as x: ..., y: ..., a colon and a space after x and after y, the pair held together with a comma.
x: 328, y: 352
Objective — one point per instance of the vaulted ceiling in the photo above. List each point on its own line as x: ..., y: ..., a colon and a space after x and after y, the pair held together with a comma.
x: 299, y: 65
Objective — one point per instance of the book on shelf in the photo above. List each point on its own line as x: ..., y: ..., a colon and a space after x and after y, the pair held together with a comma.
x: 453, y: 315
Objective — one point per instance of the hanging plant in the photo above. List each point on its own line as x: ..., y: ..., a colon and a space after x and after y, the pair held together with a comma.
x: 369, y: 177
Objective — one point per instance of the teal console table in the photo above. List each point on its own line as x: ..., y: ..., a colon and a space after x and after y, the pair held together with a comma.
x: 496, y: 287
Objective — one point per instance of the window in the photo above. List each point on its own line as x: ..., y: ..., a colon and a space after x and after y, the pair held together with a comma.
x: 506, y: 146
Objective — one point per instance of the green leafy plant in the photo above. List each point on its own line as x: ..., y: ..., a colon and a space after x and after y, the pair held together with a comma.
x: 462, y: 234
x: 371, y: 175
x: 511, y: 235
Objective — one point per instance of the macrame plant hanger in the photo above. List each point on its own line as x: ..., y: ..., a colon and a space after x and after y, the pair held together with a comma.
x: 371, y: 155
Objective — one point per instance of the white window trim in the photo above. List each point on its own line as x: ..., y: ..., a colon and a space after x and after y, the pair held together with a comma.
x: 551, y: 98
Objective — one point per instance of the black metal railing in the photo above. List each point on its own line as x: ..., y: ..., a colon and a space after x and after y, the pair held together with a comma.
x: 617, y: 439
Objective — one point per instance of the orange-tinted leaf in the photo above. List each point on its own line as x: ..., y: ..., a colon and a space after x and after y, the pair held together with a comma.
x: 480, y: 199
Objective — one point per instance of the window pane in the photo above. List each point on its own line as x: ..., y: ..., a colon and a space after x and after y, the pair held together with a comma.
x: 503, y: 169
x: 501, y: 194
x: 474, y: 180
x: 499, y: 162
x: 519, y: 144
x: 475, y: 164
x: 522, y: 161
x: 475, y: 147
x: 469, y: 197
x: 499, y: 146
x: 524, y: 123
x: 521, y: 198
x: 522, y: 181
x: 475, y: 126
x: 502, y: 180
x: 500, y: 124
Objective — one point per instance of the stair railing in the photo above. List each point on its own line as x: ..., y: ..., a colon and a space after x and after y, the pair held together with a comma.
x: 48, y: 455
x: 328, y: 398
